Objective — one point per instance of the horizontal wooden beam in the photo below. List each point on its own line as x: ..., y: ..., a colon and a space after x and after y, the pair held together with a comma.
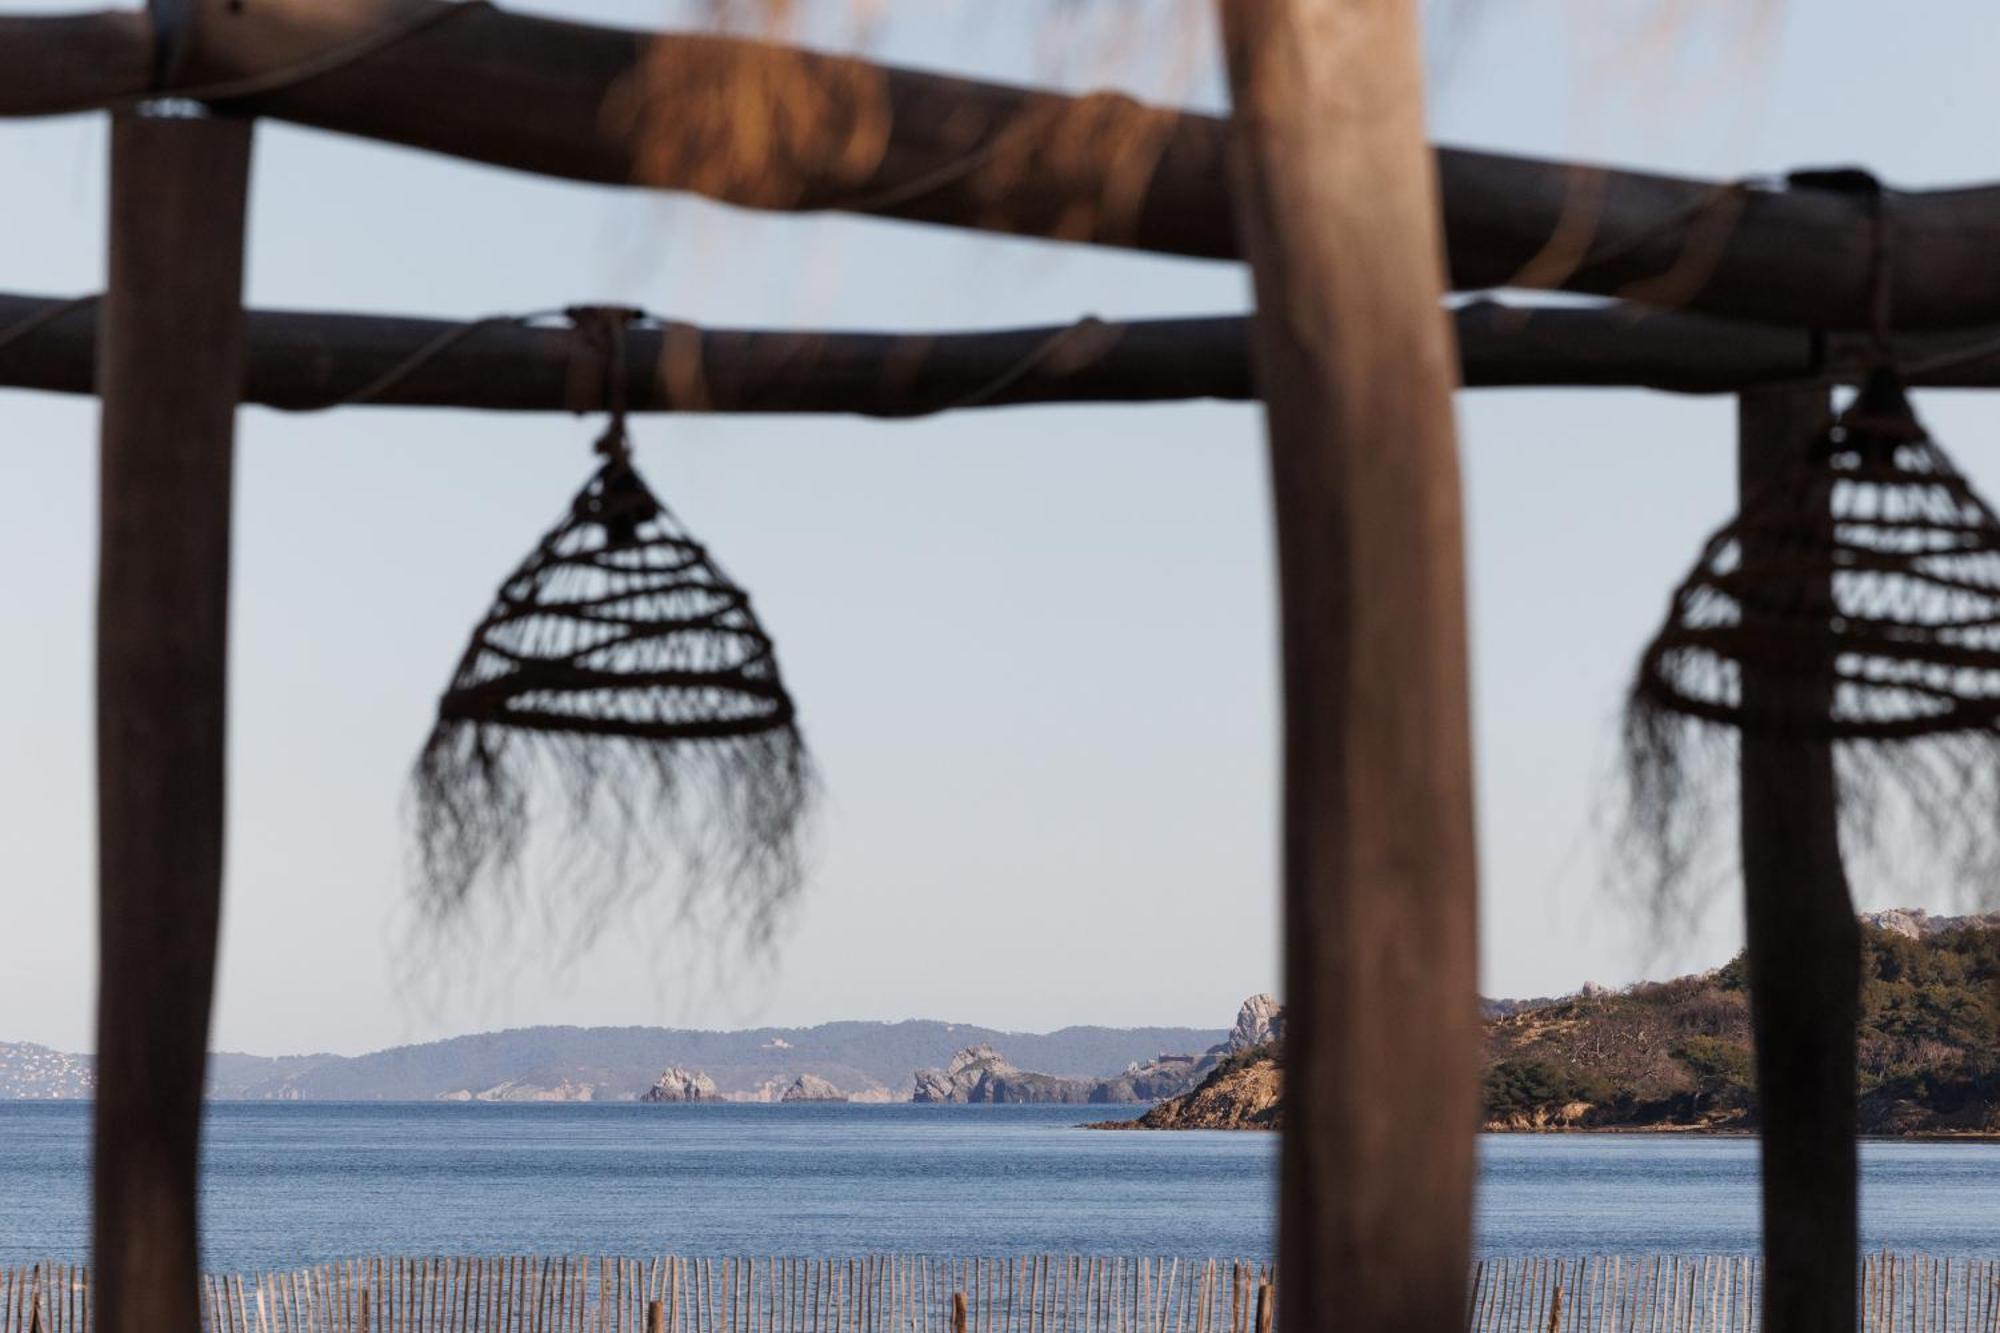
x: 621, y: 107
x: 298, y: 360
x: 54, y: 63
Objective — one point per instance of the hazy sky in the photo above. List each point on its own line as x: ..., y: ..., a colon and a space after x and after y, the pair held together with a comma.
x: 1034, y: 648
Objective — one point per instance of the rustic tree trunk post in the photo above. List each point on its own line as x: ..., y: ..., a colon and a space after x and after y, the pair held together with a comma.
x: 1337, y: 211
x: 169, y: 372
x: 1804, y: 957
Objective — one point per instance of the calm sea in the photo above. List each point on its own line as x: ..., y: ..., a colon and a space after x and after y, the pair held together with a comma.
x: 288, y: 1184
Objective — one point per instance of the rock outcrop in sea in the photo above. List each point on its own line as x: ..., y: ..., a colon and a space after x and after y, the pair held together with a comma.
x: 676, y: 1084
x: 982, y: 1074
x: 811, y: 1088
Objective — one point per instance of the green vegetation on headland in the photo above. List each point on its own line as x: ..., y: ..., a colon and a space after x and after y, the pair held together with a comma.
x: 1676, y: 1054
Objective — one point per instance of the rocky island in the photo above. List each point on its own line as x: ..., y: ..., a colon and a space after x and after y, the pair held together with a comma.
x: 682, y: 1085
x: 981, y: 1074
x: 811, y: 1088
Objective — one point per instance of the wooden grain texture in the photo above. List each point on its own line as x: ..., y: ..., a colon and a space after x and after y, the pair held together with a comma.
x: 623, y: 107
x: 663, y: 110
x: 169, y: 368
x: 1803, y: 948
x: 300, y: 360
x: 52, y: 63
x: 1337, y: 209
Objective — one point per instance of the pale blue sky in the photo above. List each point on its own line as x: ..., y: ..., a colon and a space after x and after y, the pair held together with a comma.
x: 1034, y: 648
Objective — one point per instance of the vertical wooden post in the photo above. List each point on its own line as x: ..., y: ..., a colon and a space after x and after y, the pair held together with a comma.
x: 169, y: 372
x: 1804, y: 955
x: 1337, y: 209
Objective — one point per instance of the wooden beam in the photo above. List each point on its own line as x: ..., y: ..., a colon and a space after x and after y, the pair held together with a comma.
x: 665, y: 111
x: 1804, y: 952
x: 1337, y: 206
x: 171, y: 363
x: 55, y: 63
x: 622, y: 107
x: 299, y: 360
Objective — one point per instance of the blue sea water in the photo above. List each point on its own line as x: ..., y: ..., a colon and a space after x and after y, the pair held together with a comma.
x: 289, y: 1184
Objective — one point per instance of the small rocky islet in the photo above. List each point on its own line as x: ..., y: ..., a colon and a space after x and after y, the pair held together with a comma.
x: 982, y: 1074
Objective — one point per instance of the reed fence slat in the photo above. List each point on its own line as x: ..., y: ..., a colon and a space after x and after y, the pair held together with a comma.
x: 984, y: 1294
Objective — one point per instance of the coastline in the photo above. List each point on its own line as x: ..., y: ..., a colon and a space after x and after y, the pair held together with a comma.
x: 1597, y: 1131
x: 1715, y: 1132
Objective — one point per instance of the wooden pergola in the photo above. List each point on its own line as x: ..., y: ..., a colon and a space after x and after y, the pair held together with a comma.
x: 1355, y: 230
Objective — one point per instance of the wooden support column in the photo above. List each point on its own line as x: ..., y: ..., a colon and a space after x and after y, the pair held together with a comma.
x: 1337, y: 211
x: 169, y: 369
x: 1804, y: 955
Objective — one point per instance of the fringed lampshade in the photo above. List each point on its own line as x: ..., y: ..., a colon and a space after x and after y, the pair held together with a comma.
x: 622, y: 673
x: 1854, y: 601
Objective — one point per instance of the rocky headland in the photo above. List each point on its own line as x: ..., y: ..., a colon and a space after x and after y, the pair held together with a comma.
x: 1676, y: 1055
x: 981, y: 1074
x: 1244, y: 1091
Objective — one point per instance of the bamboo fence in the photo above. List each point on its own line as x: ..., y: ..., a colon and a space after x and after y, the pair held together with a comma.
x: 1040, y: 1294
x: 1719, y: 1294
x: 526, y: 1294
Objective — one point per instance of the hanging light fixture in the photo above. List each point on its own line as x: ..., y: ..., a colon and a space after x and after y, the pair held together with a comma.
x: 621, y: 697
x: 1854, y: 602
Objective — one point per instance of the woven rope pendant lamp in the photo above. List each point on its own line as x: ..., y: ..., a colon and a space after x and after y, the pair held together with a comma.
x: 622, y: 673
x: 1853, y: 603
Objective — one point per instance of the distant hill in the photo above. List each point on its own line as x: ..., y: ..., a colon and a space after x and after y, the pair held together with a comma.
x: 31, y: 1072
x: 875, y: 1061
